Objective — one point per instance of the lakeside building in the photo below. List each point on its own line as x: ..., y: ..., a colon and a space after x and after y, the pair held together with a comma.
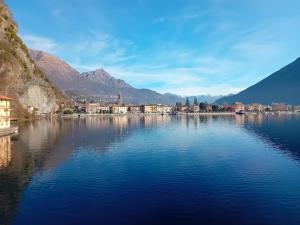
x: 238, y: 106
x: 194, y: 108
x: 134, y: 109
x: 147, y: 109
x: 181, y: 108
x: 164, y: 109
x: 208, y: 108
x: 159, y: 108
x: 96, y: 108
x: 4, y: 112
x: 255, y: 107
x: 119, y: 109
x: 277, y: 107
x: 80, y: 108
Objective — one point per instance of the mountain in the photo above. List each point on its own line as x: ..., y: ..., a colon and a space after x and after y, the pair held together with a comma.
x: 96, y: 85
x: 209, y: 98
x: 20, y: 78
x: 62, y: 75
x: 103, y: 77
x: 282, y: 86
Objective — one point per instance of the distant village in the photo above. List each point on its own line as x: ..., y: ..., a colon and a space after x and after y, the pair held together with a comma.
x: 118, y: 108
x: 179, y: 107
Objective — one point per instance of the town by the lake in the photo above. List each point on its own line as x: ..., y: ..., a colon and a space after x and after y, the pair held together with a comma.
x: 149, y: 112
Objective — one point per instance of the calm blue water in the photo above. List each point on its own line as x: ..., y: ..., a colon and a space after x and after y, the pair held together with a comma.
x: 152, y: 170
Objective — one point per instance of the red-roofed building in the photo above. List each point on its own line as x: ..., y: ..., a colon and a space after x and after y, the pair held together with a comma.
x: 2, y: 97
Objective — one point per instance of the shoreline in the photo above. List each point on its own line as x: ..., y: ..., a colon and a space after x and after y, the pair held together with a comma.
x: 83, y: 115
x: 8, y: 131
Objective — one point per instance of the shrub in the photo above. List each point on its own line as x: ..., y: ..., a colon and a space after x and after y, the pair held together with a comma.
x: 67, y: 111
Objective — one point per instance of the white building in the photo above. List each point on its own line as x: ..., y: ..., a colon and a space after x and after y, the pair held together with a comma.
x: 117, y: 109
x: 4, y: 112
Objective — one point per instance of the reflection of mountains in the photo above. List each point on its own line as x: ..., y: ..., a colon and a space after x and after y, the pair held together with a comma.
x: 45, y: 144
x: 280, y: 130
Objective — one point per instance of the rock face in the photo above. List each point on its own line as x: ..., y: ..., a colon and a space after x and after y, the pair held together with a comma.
x: 96, y: 85
x: 20, y: 78
x: 282, y: 86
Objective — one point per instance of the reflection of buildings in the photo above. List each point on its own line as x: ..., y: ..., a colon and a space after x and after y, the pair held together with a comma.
x: 282, y: 131
x: 239, y: 119
x: 5, y: 151
x: 152, y: 120
x: 248, y: 119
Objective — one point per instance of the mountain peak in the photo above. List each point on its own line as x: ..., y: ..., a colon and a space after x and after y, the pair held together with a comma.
x: 103, y: 77
x: 281, y: 86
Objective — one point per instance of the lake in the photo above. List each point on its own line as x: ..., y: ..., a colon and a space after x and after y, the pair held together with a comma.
x: 152, y: 170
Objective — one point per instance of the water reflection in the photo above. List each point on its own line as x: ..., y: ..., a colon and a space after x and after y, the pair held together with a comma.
x: 5, y: 152
x: 44, y: 144
x: 281, y: 131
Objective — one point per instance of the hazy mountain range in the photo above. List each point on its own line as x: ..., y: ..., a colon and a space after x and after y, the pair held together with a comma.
x: 282, y: 86
x: 99, y: 85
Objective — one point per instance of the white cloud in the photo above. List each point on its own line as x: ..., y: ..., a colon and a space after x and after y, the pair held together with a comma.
x: 40, y: 43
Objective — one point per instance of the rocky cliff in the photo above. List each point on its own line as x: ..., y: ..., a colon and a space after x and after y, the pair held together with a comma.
x: 20, y: 78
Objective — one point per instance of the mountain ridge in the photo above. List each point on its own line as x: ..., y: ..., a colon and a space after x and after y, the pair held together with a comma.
x: 282, y: 86
x: 97, y: 85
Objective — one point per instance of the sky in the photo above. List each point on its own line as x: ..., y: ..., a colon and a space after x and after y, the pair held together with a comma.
x: 185, y: 47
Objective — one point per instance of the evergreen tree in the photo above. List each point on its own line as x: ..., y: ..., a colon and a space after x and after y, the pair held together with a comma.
x: 195, y: 101
x: 187, y: 102
x: 202, y: 106
x: 215, y: 108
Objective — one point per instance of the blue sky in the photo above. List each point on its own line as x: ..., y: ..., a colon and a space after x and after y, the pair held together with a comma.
x: 185, y: 47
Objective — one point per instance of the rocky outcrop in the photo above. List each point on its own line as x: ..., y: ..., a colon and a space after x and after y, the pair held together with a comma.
x: 20, y: 78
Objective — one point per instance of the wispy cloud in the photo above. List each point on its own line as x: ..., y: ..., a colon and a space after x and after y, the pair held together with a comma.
x: 255, y: 49
x: 159, y: 19
x: 40, y: 43
x: 204, y: 48
x: 56, y: 12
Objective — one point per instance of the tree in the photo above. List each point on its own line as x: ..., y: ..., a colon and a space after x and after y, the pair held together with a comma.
x: 67, y: 111
x: 187, y: 102
x: 202, y: 106
x: 195, y: 101
x: 215, y: 108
